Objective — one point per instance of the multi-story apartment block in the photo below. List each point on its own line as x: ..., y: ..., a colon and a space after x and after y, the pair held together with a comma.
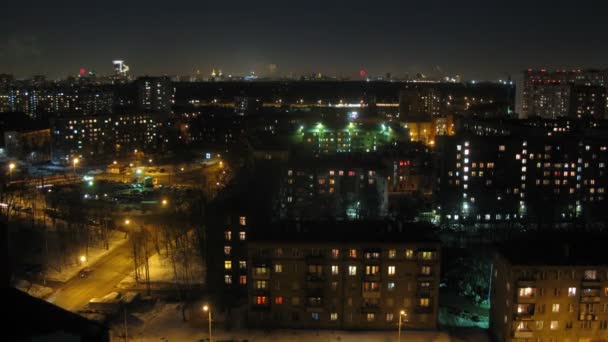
x: 104, y: 135
x: 344, y: 187
x: 550, y: 291
x: 337, y: 275
x: 559, y: 93
x: 155, y: 94
x: 514, y: 171
x: 352, y: 137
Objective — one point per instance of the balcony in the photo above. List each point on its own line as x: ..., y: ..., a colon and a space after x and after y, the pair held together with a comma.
x: 370, y: 308
x: 523, y: 334
x: 315, y: 259
x: 371, y: 294
x: 426, y: 277
x: 314, y: 278
x: 526, y: 283
x: 423, y: 309
x: 583, y: 316
x: 373, y: 277
x: 590, y: 299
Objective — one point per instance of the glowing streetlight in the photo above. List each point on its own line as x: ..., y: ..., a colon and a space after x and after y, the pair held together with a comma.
x: 127, y: 222
x: 165, y: 202
x: 402, y: 316
x: 206, y: 308
x: 83, y: 258
x: 75, y: 162
x: 11, y: 167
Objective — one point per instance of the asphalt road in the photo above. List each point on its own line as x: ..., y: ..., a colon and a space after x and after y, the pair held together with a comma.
x: 106, y: 274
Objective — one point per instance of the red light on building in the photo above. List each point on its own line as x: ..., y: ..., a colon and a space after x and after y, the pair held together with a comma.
x: 362, y: 72
x: 82, y: 71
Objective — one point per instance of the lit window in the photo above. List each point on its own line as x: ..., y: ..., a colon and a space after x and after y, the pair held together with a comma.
x: 243, y: 280
x: 227, y: 264
x: 426, y: 270
x: 392, y: 253
x: 390, y: 286
x: 352, y: 270
x: 228, y: 235
x: 571, y: 291
x: 333, y: 316
x: 391, y: 270
x: 243, y: 220
x: 315, y: 316
x: 527, y: 292
x: 371, y: 317
x: 228, y: 279
x: 555, y: 308
x: 261, y: 300
x: 554, y: 325
x: 278, y: 268
x: 278, y: 300
x: 335, y: 253
x: 242, y: 236
x: 261, y: 284
x: 227, y: 250
x: 242, y: 264
x: 424, y: 302
x: 335, y: 270
x: 590, y: 275
x: 539, y: 325
x: 372, y: 270
x: 260, y: 271
x: 389, y: 317
x: 352, y: 253
x: 427, y: 255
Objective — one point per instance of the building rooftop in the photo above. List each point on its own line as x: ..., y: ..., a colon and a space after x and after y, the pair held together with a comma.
x: 560, y: 250
x: 345, y: 232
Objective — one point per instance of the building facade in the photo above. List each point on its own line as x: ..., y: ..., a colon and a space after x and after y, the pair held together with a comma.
x: 155, y: 94
x: 331, y: 275
x: 500, y: 173
x: 553, y: 293
x: 104, y: 135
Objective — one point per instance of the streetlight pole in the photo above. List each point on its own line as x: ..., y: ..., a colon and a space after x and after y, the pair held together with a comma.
x: 206, y: 308
x: 401, y: 314
x: 11, y: 167
x: 74, y: 163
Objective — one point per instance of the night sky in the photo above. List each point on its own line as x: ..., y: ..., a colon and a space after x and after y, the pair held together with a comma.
x: 476, y: 39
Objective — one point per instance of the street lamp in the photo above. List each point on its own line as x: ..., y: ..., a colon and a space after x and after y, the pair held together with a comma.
x: 127, y: 222
x: 206, y: 308
x: 11, y: 167
x: 165, y: 202
x: 402, y: 315
x: 75, y: 162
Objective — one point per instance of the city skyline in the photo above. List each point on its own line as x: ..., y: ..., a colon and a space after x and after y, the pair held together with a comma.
x: 482, y: 41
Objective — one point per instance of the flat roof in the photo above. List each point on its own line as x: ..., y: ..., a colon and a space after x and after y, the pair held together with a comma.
x: 320, y: 231
x: 582, y: 249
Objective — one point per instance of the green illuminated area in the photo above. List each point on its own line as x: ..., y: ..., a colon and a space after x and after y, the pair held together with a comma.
x: 354, y: 137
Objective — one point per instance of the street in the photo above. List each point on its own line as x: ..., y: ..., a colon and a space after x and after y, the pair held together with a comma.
x: 107, y: 272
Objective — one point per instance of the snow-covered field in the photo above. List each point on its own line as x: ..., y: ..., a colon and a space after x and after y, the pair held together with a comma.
x: 161, y: 271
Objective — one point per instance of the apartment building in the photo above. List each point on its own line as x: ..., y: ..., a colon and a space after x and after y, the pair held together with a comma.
x: 343, y: 275
x: 550, y: 290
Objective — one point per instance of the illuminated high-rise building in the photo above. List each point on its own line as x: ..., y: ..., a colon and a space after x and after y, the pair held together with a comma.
x: 155, y: 94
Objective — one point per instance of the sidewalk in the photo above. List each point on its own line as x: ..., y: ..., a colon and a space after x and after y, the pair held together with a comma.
x: 163, y: 323
x: 95, y: 254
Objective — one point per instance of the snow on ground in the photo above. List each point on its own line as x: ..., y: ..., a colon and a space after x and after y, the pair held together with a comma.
x: 115, y: 239
x: 161, y: 271
x: 164, y: 323
x: 33, y: 289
